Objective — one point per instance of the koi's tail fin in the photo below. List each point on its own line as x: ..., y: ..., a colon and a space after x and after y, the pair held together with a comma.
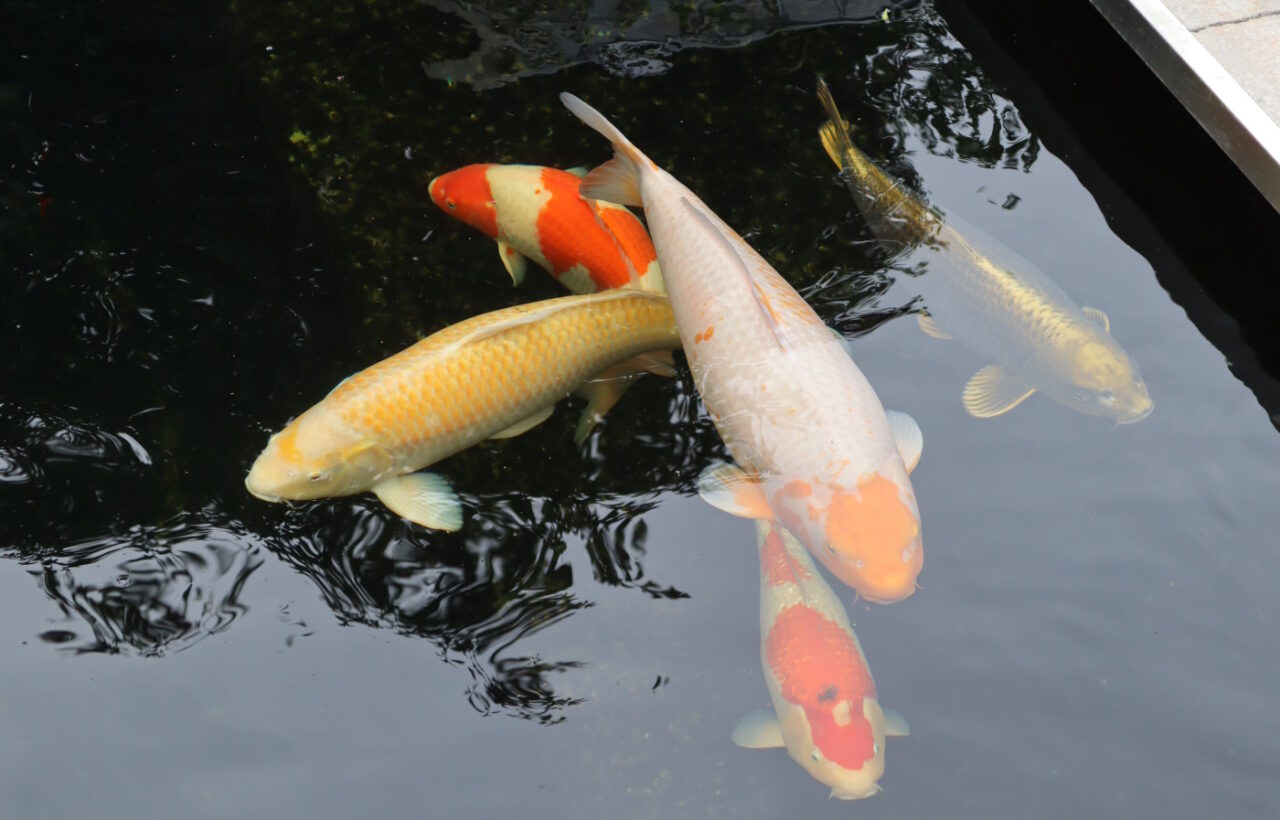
x: 835, y: 132
x: 617, y: 180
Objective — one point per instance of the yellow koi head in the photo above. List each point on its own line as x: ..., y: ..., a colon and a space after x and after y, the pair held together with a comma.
x: 873, y: 540
x: 1104, y: 382
x: 311, y: 459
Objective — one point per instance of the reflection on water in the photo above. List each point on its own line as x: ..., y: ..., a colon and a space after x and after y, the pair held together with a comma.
x: 627, y: 39
x: 477, y: 593
x: 150, y: 591
x: 924, y: 82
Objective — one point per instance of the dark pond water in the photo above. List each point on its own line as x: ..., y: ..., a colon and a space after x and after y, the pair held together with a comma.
x: 211, y: 214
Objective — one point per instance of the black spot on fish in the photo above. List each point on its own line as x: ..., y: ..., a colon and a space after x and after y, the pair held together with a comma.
x: 829, y: 694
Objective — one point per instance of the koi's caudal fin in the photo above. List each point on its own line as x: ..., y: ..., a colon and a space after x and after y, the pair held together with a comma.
x: 618, y: 180
x: 835, y: 132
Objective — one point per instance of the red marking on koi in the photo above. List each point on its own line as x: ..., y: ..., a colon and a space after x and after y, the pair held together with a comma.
x: 818, y: 665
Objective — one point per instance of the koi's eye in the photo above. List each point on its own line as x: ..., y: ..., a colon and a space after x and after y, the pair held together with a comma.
x: 314, y: 476
x: 1107, y: 395
x: 816, y: 755
x: 830, y: 549
x: 450, y: 204
x: 875, y: 748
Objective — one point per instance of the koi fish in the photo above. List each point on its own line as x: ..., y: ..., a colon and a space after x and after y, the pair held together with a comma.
x: 536, y: 213
x: 994, y: 302
x: 824, y: 698
x: 491, y: 376
x: 815, y: 448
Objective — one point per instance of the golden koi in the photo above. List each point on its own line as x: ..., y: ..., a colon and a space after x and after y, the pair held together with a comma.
x: 994, y: 302
x: 825, y: 709
x: 816, y: 448
x: 492, y: 376
x: 536, y: 213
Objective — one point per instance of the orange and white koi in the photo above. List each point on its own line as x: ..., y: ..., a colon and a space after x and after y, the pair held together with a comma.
x: 536, y: 213
x: 492, y: 376
x: 825, y: 709
x: 817, y: 450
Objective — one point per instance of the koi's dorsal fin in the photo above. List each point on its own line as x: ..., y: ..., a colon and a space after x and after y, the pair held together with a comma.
x: 761, y: 299
x: 1098, y: 316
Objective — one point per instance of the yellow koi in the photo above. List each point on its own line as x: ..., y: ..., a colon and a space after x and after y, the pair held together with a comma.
x: 492, y: 376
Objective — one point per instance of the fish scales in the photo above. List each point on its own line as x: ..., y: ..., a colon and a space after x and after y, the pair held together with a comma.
x: 440, y: 396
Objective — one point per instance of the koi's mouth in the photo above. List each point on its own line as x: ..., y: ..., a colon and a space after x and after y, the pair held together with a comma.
x: 1138, y: 416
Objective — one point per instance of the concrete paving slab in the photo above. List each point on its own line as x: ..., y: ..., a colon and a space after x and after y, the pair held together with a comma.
x: 1198, y: 14
x: 1251, y: 52
x: 1212, y: 84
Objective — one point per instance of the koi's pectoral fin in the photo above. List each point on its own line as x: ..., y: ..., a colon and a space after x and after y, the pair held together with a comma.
x: 907, y: 435
x: 895, y: 725
x: 930, y: 327
x: 759, y: 730
x: 734, y: 491
x: 514, y: 261
x: 423, y: 498
x: 603, y: 391
x: 994, y: 391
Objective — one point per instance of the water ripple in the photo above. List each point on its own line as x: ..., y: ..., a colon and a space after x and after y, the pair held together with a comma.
x: 149, y: 591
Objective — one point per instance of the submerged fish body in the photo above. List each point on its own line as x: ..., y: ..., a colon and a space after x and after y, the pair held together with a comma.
x: 826, y: 712
x: 492, y: 376
x: 994, y: 302
x: 816, y: 448
x: 537, y: 213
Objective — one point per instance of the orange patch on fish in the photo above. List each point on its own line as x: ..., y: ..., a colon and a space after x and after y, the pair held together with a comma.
x: 705, y: 335
x: 778, y: 567
x: 798, y: 489
x: 569, y: 234
x: 632, y: 238
x: 877, y: 528
x: 819, y: 668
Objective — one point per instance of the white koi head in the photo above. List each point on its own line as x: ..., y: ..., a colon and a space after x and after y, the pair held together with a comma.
x: 868, y: 535
x: 313, y: 458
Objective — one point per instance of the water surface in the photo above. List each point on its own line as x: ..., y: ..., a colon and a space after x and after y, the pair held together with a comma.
x: 213, y: 215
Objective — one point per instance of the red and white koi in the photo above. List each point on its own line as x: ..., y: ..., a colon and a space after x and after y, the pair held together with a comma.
x: 816, y: 449
x: 537, y: 213
x: 825, y: 709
